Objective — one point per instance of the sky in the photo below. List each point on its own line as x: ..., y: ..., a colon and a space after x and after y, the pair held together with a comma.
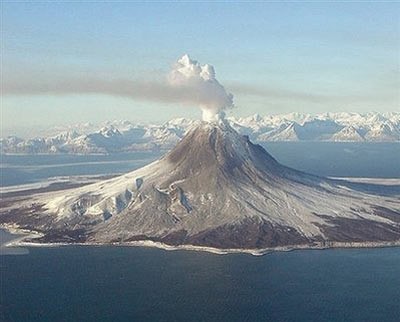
x: 274, y: 57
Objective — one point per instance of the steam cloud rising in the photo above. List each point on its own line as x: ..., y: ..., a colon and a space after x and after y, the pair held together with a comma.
x: 189, y: 76
x: 187, y: 83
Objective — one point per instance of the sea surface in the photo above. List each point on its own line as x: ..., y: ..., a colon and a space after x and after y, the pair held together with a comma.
x: 144, y: 284
x: 87, y: 283
x: 379, y: 160
x: 340, y: 159
x: 22, y: 169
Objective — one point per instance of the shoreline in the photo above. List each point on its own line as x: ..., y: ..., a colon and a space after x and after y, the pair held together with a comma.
x: 19, y: 242
x: 20, y: 236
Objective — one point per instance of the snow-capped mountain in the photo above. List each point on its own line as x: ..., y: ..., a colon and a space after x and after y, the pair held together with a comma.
x: 348, y: 133
x: 285, y: 132
x: 217, y: 189
x: 124, y: 136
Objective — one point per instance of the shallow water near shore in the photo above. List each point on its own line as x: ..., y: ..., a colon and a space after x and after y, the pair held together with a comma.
x: 79, y: 283
x: 6, y: 237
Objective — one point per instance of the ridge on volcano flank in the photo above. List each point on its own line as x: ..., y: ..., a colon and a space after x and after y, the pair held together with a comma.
x: 215, y: 189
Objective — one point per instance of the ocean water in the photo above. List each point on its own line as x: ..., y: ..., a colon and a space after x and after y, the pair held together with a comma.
x: 22, y: 169
x: 340, y: 159
x: 6, y: 237
x: 380, y: 160
x: 143, y: 284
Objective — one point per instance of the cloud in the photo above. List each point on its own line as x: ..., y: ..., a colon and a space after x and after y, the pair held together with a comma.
x: 189, y: 76
x: 190, y: 84
x: 187, y: 83
x: 277, y: 93
x: 275, y: 96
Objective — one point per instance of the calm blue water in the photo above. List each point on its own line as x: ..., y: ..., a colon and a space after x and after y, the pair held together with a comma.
x: 21, y: 169
x: 381, y: 160
x: 338, y: 159
x: 139, y: 284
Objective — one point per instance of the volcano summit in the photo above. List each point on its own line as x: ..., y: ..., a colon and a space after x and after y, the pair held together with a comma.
x: 214, y: 189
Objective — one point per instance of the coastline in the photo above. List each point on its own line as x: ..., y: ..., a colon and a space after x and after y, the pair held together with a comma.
x: 20, y: 236
x: 24, y: 234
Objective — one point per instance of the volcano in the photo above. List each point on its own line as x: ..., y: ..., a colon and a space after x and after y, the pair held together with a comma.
x: 214, y: 189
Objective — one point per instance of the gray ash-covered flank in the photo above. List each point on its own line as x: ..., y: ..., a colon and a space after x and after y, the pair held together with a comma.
x: 214, y: 189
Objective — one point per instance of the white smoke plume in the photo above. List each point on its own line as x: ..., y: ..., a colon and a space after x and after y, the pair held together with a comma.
x: 189, y: 76
x: 187, y: 83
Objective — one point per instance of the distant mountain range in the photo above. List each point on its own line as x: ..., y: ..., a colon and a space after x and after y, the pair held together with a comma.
x: 125, y: 136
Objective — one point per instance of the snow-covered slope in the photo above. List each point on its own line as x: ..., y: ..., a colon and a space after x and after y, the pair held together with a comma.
x: 214, y: 189
x: 124, y: 136
x: 348, y: 134
x: 286, y: 132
